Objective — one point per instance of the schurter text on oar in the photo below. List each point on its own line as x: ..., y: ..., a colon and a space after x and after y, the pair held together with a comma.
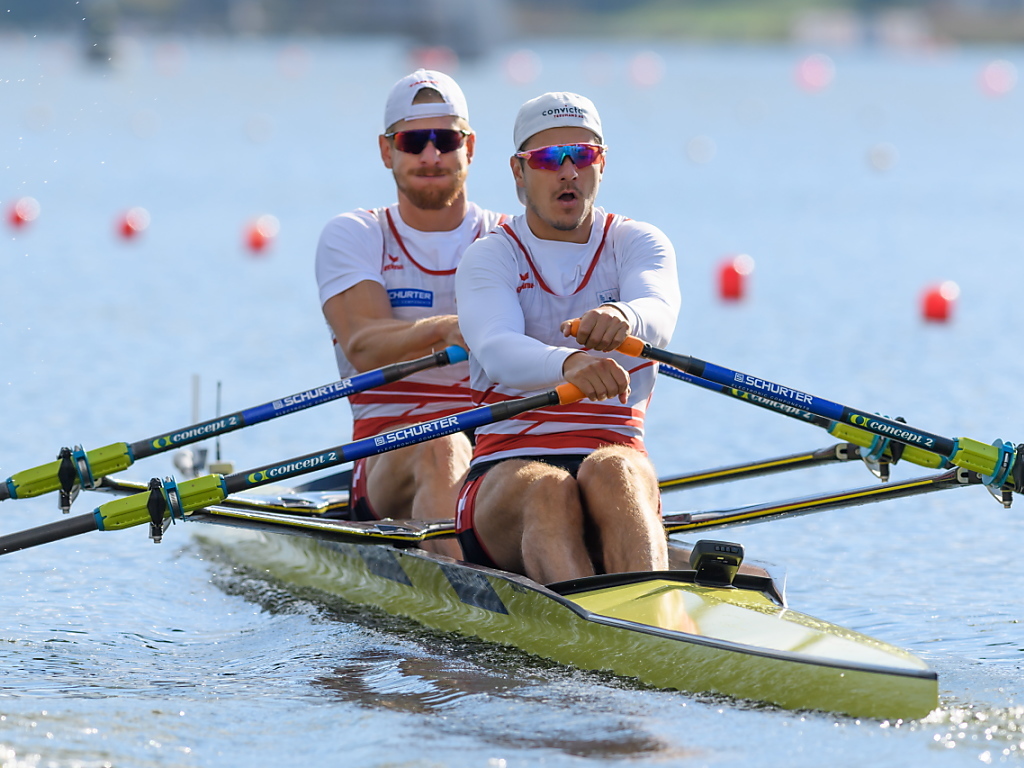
x: 434, y: 428
x: 773, y: 390
x: 337, y: 389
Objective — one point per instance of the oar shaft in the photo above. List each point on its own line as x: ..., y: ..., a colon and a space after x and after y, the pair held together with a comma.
x: 818, y: 406
x: 761, y: 402
x: 845, y: 432
x: 994, y: 462
x: 116, y: 457
x: 388, y: 441
x: 44, y: 534
x: 831, y: 455
x: 758, y: 513
x: 292, y: 403
x: 181, y: 499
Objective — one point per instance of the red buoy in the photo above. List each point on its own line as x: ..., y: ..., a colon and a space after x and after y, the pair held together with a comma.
x: 132, y: 222
x: 261, y: 233
x: 24, y: 211
x: 732, y: 276
x: 938, y: 300
x: 998, y: 78
x: 815, y: 72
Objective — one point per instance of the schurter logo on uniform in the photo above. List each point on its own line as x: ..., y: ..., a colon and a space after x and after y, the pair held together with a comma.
x: 524, y: 282
x: 392, y: 263
x: 607, y: 297
x: 410, y: 297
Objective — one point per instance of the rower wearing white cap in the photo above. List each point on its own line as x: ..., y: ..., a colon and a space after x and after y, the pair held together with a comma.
x: 387, y: 287
x: 567, y: 491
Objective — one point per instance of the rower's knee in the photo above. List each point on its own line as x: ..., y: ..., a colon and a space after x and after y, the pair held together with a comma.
x: 551, y: 500
x: 615, y: 468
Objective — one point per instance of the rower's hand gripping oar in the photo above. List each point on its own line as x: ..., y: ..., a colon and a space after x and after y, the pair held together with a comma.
x: 169, y: 500
x: 76, y: 468
x: 1000, y: 464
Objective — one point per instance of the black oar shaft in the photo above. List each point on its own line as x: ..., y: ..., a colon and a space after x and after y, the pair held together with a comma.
x: 44, y: 534
x: 758, y: 513
x: 831, y: 455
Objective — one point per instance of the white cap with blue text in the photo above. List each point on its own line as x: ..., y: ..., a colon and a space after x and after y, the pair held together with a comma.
x: 400, y: 107
x: 556, y: 110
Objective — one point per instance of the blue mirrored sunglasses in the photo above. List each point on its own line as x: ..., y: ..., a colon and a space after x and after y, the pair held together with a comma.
x: 551, y: 158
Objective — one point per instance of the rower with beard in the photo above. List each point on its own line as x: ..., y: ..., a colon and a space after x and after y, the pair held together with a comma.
x: 567, y: 491
x: 387, y: 288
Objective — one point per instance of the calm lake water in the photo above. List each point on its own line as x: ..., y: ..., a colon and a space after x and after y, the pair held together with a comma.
x: 901, y: 173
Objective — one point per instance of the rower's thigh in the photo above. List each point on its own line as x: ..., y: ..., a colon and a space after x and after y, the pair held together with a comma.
x: 518, y: 495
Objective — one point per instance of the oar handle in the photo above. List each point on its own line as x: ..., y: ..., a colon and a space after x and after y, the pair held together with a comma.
x: 632, y: 346
x: 569, y: 393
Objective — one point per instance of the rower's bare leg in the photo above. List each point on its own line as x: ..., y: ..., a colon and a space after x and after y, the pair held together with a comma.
x: 620, y: 491
x: 421, y: 482
x: 529, y: 518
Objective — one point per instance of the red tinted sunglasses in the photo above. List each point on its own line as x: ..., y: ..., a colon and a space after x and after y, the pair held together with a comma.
x: 551, y: 158
x: 445, y: 139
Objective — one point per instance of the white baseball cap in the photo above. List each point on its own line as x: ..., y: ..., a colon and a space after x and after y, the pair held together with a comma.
x: 400, y: 107
x: 556, y: 110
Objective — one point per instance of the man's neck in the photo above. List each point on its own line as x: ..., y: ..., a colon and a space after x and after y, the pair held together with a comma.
x: 441, y: 220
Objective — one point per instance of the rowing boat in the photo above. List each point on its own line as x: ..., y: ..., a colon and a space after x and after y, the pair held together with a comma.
x: 712, y: 624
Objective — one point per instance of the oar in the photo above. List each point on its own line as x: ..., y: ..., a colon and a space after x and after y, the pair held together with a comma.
x: 879, y: 452
x: 83, y: 468
x: 169, y: 500
x: 757, y: 513
x: 839, y: 452
x: 998, y: 463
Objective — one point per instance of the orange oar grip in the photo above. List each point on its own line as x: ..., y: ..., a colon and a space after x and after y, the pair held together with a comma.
x: 568, y: 393
x: 632, y: 346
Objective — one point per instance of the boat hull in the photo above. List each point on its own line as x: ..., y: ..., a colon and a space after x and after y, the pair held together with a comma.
x: 662, y: 628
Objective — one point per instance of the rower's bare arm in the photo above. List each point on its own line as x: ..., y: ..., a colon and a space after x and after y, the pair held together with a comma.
x: 599, y: 378
x: 372, y: 337
x: 603, y: 328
